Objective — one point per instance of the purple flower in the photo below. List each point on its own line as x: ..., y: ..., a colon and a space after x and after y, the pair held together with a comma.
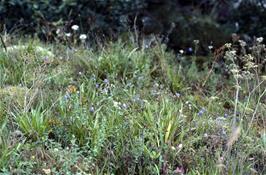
x: 201, y: 112
x: 97, y: 85
x: 177, y: 94
x: 190, y: 50
x: 106, y: 81
x: 67, y: 96
x: 226, y: 115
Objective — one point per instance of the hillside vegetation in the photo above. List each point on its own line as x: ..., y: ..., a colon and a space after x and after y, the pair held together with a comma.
x: 121, y: 109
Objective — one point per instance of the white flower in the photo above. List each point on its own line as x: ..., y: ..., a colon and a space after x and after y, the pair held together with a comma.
x: 180, y: 146
x: 196, y: 42
x: 260, y: 39
x: 75, y: 27
x: 83, y: 37
x: 210, y: 47
x: 228, y: 45
x: 181, y: 51
x: 242, y: 43
x: 58, y: 31
x: 68, y: 34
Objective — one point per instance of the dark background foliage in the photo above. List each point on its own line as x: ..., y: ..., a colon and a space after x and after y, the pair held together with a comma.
x: 214, y: 20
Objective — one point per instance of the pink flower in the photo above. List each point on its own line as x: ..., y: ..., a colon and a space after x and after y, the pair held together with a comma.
x: 179, y: 170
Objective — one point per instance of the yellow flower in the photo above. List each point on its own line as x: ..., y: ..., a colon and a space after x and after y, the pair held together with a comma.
x: 71, y: 89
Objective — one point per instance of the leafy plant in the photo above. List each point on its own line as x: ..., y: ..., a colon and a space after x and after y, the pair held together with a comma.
x: 34, y: 124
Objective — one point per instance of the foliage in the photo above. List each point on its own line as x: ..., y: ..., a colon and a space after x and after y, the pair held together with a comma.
x: 45, y: 16
x: 105, y: 18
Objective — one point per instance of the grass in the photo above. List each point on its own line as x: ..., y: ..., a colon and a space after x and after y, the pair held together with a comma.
x: 117, y: 109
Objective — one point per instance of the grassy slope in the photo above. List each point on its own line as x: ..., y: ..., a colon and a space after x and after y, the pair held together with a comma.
x: 121, y: 110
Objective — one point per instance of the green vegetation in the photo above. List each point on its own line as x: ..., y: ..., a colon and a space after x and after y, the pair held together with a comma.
x: 118, y: 109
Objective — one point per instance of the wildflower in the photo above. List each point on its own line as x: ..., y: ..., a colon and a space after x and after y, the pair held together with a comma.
x: 83, y: 37
x: 124, y: 106
x: 201, y: 112
x: 46, y: 171
x: 196, y: 42
x: 97, y: 85
x: 93, y: 77
x: 190, y: 50
x: 67, y: 96
x: 179, y: 170
x: 259, y: 40
x: 116, y: 104
x: 181, y: 51
x: 226, y: 115
x: 75, y: 27
x: 105, y: 91
x: 80, y: 73
x: 173, y: 148
x: 180, y: 146
x: 177, y: 94
x: 68, y: 34
x: 92, y: 109
x: 46, y: 60
x: 58, y: 31
x: 71, y: 89
x: 242, y: 43
x: 228, y: 45
x: 210, y: 47
x: 237, y: 26
x: 106, y: 81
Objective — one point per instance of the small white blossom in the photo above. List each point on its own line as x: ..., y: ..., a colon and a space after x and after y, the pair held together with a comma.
x: 58, y: 31
x: 228, y: 45
x: 181, y: 51
x: 68, y: 34
x: 260, y: 39
x: 83, y: 37
x: 196, y: 42
x: 242, y: 43
x: 75, y: 27
x: 210, y: 47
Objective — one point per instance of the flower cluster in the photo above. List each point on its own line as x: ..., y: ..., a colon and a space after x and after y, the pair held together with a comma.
x: 75, y: 34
